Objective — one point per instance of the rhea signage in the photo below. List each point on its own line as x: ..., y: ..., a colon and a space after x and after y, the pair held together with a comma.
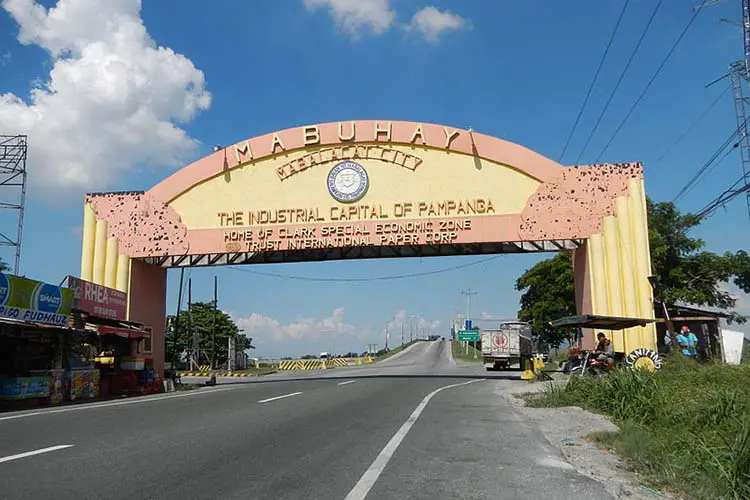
x: 98, y: 300
x: 30, y: 300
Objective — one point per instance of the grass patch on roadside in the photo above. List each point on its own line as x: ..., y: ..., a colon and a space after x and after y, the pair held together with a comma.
x: 387, y: 354
x: 458, y: 350
x: 557, y: 356
x: 685, y: 429
x: 184, y: 386
x: 258, y: 371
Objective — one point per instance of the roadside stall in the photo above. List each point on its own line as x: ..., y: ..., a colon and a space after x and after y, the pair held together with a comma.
x: 121, y: 362
x: 639, y: 358
x: 34, y: 337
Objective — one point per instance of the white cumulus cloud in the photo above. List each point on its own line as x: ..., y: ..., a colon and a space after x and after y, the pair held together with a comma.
x: 432, y: 23
x: 352, y: 16
x: 112, y: 100
x: 410, y: 322
x: 257, y: 325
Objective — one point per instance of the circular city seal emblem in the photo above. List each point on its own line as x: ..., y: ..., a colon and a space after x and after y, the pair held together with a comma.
x: 348, y: 181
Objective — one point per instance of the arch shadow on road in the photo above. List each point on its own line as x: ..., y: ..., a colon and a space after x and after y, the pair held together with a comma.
x: 263, y: 380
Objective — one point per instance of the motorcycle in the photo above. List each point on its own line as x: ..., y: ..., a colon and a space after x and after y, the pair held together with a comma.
x: 587, y: 363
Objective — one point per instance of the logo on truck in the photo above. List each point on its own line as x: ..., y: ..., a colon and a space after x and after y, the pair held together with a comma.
x: 499, y: 340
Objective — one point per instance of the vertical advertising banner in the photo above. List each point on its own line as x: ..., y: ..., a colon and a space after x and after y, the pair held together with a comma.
x: 30, y: 300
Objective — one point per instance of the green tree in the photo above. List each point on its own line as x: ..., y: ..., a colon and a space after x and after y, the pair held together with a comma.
x: 4, y: 266
x: 548, y: 293
x: 683, y: 272
x: 200, y: 320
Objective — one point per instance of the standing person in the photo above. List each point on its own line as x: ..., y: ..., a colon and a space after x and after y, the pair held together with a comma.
x: 688, y: 342
x: 667, y: 349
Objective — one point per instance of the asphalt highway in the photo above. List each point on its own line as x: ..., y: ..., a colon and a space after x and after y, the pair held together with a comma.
x: 416, y: 426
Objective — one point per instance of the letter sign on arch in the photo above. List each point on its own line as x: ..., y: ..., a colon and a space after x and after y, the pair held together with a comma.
x: 409, y: 189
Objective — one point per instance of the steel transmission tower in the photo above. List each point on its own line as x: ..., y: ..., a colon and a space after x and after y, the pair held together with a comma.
x: 739, y: 75
x: 13, y: 150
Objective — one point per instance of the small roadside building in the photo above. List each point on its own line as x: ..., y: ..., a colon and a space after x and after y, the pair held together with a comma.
x: 704, y: 323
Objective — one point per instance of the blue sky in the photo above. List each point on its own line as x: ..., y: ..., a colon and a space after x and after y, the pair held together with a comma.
x: 515, y: 70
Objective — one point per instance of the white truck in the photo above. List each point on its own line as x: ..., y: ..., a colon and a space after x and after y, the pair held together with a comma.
x: 510, y: 344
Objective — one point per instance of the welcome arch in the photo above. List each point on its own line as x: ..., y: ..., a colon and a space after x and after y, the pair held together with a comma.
x: 376, y: 189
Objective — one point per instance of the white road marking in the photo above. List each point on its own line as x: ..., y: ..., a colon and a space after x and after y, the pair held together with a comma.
x: 347, y: 382
x: 115, y: 403
x: 368, y: 479
x: 280, y: 397
x: 35, y: 452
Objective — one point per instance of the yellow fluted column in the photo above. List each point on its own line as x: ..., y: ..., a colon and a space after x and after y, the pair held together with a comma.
x: 87, y: 242
x: 100, y: 252
x: 638, y: 216
x: 614, y: 276
x: 130, y: 273
x: 627, y: 265
x: 123, y: 273
x: 598, y: 274
x: 110, y: 263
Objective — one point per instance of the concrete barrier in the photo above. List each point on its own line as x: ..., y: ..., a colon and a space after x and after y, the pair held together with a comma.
x: 216, y: 374
x: 322, y: 364
x: 290, y: 364
x: 313, y: 364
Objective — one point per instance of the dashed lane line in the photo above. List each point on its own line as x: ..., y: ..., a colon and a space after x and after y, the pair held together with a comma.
x: 35, y: 452
x: 279, y: 397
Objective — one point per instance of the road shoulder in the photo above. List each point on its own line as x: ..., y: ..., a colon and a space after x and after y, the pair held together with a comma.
x: 567, y: 429
x: 470, y: 443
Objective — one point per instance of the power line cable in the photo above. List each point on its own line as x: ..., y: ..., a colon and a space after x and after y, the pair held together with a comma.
x: 725, y: 197
x: 362, y: 280
x: 593, y: 81
x: 712, y: 167
x: 708, y: 164
x: 619, y: 80
x: 692, y: 126
x: 651, y: 81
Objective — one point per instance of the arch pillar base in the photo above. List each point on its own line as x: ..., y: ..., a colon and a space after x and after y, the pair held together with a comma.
x: 583, y: 297
x: 147, y: 304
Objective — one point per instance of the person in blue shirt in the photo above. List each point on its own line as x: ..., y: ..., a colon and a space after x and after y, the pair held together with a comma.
x: 688, y: 342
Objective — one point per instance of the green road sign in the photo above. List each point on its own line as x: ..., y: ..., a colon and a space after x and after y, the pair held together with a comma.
x: 468, y: 336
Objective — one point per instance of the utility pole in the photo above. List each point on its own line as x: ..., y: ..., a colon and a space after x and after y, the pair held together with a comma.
x: 213, y: 326
x: 468, y: 294
x: 176, y: 322
x: 194, y: 336
x: 230, y: 352
x: 402, y: 334
x: 386, y: 335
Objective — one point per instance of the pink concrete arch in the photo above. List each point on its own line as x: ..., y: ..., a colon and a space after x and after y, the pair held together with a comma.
x: 472, y: 143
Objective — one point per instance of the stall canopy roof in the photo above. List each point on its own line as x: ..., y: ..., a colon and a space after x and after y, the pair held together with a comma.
x: 120, y: 332
x: 601, y: 322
